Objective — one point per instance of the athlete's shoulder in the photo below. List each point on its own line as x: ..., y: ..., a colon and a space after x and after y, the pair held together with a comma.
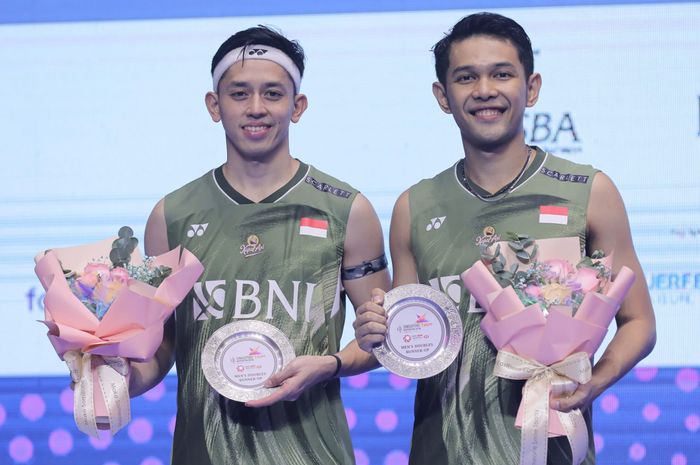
x: 445, y: 178
x: 204, y: 181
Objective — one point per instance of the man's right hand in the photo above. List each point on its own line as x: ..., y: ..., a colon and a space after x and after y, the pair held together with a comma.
x: 370, y: 322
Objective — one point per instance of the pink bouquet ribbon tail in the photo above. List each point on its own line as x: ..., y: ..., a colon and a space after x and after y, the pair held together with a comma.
x: 480, y: 282
x: 535, y: 425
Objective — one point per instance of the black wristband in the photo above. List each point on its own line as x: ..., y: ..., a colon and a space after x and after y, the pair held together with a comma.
x: 338, y: 365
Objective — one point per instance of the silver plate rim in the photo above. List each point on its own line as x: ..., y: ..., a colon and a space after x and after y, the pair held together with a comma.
x: 444, y: 356
x: 209, y: 361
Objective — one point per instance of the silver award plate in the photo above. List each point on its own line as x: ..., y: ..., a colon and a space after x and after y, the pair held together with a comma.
x: 240, y: 356
x: 424, y: 332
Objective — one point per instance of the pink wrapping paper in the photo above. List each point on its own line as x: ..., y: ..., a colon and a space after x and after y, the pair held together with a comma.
x: 132, y: 327
x: 526, y: 332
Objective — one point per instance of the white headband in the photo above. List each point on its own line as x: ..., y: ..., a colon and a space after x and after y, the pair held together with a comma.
x: 256, y: 52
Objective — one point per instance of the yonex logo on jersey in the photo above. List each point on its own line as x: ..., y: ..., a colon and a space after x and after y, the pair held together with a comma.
x: 197, y: 230
x: 435, y: 223
x: 257, y: 51
x: 208, y: 300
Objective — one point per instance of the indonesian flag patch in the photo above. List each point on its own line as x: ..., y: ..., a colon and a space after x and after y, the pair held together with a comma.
x: 312, y: 227
x: 554, y: 215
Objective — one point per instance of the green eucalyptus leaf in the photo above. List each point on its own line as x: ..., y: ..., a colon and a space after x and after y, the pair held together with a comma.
x: 125, y: 232
x: 515, y: 246
x: 523, y: 255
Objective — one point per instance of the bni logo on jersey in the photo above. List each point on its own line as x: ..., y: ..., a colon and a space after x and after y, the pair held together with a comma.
x: 208, y: 300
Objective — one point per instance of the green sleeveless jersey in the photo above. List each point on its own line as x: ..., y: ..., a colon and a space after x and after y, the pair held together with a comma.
x: 465, y: 415
x: 276, y: 261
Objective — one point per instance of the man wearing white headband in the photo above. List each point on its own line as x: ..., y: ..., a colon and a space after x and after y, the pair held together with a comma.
x: 281, y: 242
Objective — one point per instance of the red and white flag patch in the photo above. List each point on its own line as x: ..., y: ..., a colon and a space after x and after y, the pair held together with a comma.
x: 312, y: 227
x: 554, y: 215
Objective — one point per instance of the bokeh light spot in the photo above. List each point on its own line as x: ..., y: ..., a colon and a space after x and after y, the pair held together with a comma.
x: 32, y: 407
x: 386, y: 420
x: 60, y: 442
x: 140, y: 430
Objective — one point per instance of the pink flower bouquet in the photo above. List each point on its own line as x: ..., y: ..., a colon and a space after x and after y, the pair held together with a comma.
x: 546, y: 324
x: 112, y: 310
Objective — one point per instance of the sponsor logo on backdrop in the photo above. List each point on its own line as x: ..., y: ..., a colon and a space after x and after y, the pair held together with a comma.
x: 675, y: 288
x: 35, y: 299
x: 686, y: 233
x: 552, y: 131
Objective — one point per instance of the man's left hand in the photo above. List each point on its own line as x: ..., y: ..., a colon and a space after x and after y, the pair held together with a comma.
x: 301, y: 373
x: 581, y: 398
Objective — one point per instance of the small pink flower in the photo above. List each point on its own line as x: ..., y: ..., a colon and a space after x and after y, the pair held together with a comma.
x: 89, y: 280
x: 533, y: 291
x: 96, y: 268
x: 119, y: 274
x: 587, y: 278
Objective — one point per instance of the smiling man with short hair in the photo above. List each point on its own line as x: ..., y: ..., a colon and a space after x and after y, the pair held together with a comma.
x: 466, y: 415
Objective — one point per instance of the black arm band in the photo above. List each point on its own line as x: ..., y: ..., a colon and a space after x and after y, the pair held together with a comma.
x: 365, y: 268
x: 338, y: 365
